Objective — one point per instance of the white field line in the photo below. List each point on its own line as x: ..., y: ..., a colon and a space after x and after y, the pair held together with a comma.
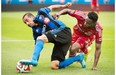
x: 17, y: 40
x: 32, y: 40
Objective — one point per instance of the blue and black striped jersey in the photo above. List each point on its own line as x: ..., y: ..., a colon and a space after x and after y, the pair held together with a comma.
x: 44, y: 19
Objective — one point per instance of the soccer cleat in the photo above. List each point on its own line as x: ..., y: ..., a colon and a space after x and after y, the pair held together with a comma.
x: 29, y: 62
x: 82, y: 61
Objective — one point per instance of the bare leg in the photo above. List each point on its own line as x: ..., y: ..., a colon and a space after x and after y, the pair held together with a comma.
x: 74, y: 49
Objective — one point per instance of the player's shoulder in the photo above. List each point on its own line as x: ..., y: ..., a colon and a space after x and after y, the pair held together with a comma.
x: 98, y: 26
x: 79, y: 13
x: 45, y: 9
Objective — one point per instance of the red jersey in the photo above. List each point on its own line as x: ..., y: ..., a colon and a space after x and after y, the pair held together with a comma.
x: 94, y: 2
x: 84, y: 35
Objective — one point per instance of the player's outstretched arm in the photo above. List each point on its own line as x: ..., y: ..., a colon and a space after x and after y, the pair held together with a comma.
x: 97, y: 55
x: 55, y: 7
x: 62, y: 12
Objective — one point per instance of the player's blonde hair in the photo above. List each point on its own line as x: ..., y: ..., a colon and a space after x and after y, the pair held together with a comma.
x: 28, y: 14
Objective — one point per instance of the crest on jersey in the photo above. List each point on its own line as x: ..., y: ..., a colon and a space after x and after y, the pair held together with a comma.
x: 37, y: 30
x: 41, y: 17
x: 88, y: 33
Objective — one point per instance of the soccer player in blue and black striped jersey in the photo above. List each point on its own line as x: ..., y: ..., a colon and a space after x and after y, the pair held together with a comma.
x: 47, y: 29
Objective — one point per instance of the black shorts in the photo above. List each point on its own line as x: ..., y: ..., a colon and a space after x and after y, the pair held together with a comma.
x: 61, y: 40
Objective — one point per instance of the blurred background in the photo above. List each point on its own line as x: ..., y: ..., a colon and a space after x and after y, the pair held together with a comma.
x: 54, y: 1
x: 22, y: 5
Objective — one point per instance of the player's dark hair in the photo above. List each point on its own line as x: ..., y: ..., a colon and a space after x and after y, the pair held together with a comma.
x: 93, y: 16
x: 27, y: 14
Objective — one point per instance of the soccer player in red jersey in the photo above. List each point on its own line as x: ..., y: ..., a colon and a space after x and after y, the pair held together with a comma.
x: 95, y: 5
x: 85, y: 32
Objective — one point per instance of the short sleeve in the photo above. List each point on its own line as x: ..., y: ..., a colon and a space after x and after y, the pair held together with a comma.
x: 44, y: 10
x: 77, y: 14
x: 98, y: 33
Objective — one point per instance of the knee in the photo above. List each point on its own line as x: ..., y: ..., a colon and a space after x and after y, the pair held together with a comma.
x: 75, y: 47
x: 55, y: 65
x: 43, y: 37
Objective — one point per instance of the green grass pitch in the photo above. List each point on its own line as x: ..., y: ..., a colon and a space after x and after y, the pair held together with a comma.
x: 17, y: 43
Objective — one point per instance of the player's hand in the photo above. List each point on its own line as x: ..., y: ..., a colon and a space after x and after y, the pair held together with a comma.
x: 68, y: 4
x: 55, y: 16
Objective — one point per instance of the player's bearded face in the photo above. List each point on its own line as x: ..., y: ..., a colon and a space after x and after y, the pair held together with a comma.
x: 28, y: 21
x: 88, y: 23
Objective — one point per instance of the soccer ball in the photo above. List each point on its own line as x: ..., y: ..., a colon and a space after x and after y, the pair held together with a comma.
x: 21, y: 68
